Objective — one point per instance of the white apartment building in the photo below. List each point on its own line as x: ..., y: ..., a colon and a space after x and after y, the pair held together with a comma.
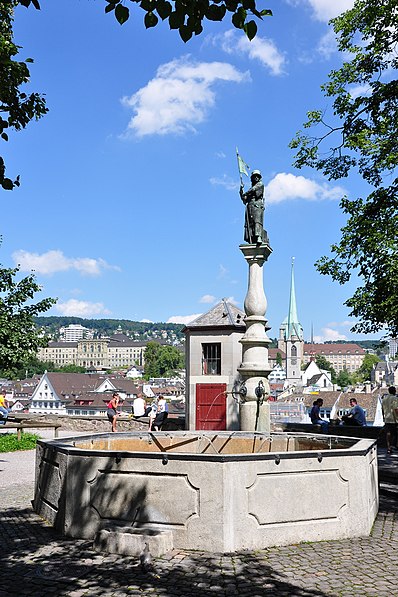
x: 74, y: 332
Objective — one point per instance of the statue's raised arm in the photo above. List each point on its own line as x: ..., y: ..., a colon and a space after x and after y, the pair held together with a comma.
x: 254, y: 216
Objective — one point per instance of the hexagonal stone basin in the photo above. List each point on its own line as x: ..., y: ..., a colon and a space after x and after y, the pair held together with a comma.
x: 216, y: 491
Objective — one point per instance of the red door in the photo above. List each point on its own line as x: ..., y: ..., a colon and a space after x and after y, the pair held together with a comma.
x: 211, y: 411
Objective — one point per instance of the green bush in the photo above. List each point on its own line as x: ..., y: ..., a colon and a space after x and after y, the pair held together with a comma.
x: 9, y: 442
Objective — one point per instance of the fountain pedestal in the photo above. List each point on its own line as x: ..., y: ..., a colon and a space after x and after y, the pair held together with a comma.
x: 254, y: 370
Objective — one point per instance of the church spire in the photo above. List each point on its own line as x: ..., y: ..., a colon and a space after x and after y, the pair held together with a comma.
x: 293, y: 327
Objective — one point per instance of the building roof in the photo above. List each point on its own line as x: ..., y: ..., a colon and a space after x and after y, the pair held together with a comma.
x: 72, y: 384
x: 272, y: 352
x: 224, y: 314
x: 333, y: 349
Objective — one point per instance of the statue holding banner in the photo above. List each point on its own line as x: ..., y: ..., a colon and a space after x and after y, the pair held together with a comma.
x: 254, y: 216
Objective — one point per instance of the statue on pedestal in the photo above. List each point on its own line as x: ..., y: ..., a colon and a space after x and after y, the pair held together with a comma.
x: 254, y: 200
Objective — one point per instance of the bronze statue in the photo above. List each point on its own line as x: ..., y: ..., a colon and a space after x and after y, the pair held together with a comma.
x: 254, y: 216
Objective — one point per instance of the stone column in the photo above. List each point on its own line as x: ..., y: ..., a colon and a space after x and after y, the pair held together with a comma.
x: 254, y: 370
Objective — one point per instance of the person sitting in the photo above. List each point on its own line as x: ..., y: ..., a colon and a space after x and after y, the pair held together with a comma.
x: 162, y: 414
x: 152, y: 414
x: 139, y: 407
x: 111, y: 409
x: 4, y: 410
x: 315, y: 415
x: 356, y: 417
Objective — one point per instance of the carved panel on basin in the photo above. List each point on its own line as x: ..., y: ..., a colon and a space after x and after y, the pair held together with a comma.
x: 144, y: 498
x: 49, y: 483
x: 297, y: 496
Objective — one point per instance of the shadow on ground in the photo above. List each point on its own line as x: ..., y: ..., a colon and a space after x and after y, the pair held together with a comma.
x: 35, y: 561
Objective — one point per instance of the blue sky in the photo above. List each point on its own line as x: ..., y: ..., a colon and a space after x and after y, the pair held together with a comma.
x: 129, y: 204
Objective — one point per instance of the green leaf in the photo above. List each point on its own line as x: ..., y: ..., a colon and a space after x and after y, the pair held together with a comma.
x: 248, y: 4
x: 185, y: 33
x: 266, y: 13
x: 4, y: 136
x: 36, y: 4
x: 150, y: 20
x: 250, y: 29
x: 147, y: 5
x: 215, y: 13
x: 163, y: 9
x: 122, y: 13
x: 29, y: 60
x: 110, y: 7
x: 176, y: 20
x: 7, y: 184
x: 238, y: 19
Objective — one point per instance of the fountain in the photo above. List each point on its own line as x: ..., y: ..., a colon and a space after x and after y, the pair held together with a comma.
x: 219, y: 491
x: 214, y: 491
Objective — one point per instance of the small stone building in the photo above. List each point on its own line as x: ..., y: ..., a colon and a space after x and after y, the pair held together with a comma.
x: 213, y: 354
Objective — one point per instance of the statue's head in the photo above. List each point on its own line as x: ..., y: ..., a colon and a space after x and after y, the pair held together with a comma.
x: 256, y: 175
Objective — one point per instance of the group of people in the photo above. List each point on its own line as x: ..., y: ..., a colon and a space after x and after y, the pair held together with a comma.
x: 157, y: 411
x: 356, y: 417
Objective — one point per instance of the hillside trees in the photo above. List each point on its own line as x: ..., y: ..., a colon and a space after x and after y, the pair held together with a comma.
x: 162, y: 360
x: 362, y: 136
x: 19, y: 337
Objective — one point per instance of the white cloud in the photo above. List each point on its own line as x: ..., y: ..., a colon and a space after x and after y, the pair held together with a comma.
x: 329, y: 334
x: 55, y: 261
x: 207, y: 298
x: 360, y: 90
x: 324, y: 10
x: 76, y: 308
x: 337, y: 324
x: 222, y: 271
x: 233, y: 301
x: 182, y: 318
x: 286, y: 186
x: 225, y: 181
x: 146, y: 321
x: 261, y: 49
x: 221, y: 155
x: 327, y: 44
x: 179, y: 96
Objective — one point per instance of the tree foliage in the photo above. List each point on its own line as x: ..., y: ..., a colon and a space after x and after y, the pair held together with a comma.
x: 162, y: 360
x: 362, y: 136
x: 186, y: 16
x: 19, y: 337
x: 323, y: 363
x: 364, y: 371
x: 17, y: 108
x: 344, y: 379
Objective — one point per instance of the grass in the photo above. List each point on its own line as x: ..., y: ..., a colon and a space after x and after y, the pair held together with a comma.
x: 9, y: 442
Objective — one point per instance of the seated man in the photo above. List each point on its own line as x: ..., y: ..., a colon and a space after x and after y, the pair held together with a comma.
x: 3, y: 409
x: 356, y: 417
x: 139, y: 407
x: 315, y: 415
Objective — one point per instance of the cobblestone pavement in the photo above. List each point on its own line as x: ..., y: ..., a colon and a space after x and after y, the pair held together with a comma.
x: 36, y: 562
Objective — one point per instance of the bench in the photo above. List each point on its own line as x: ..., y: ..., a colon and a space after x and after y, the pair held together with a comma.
x: 31, y: 425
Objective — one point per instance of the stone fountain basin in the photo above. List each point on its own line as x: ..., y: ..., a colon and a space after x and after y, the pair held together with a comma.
x: 216, y: 491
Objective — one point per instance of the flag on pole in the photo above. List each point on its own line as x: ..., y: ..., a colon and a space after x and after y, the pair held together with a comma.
x: 243, y: 167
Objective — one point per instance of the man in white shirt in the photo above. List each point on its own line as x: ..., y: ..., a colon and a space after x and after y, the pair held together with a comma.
x: 139, y: 407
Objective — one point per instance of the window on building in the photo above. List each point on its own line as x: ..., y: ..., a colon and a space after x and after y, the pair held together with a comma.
x: 211, y: 359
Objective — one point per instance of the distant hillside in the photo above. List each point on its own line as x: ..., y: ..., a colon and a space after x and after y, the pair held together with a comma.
x: 106, y: 327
